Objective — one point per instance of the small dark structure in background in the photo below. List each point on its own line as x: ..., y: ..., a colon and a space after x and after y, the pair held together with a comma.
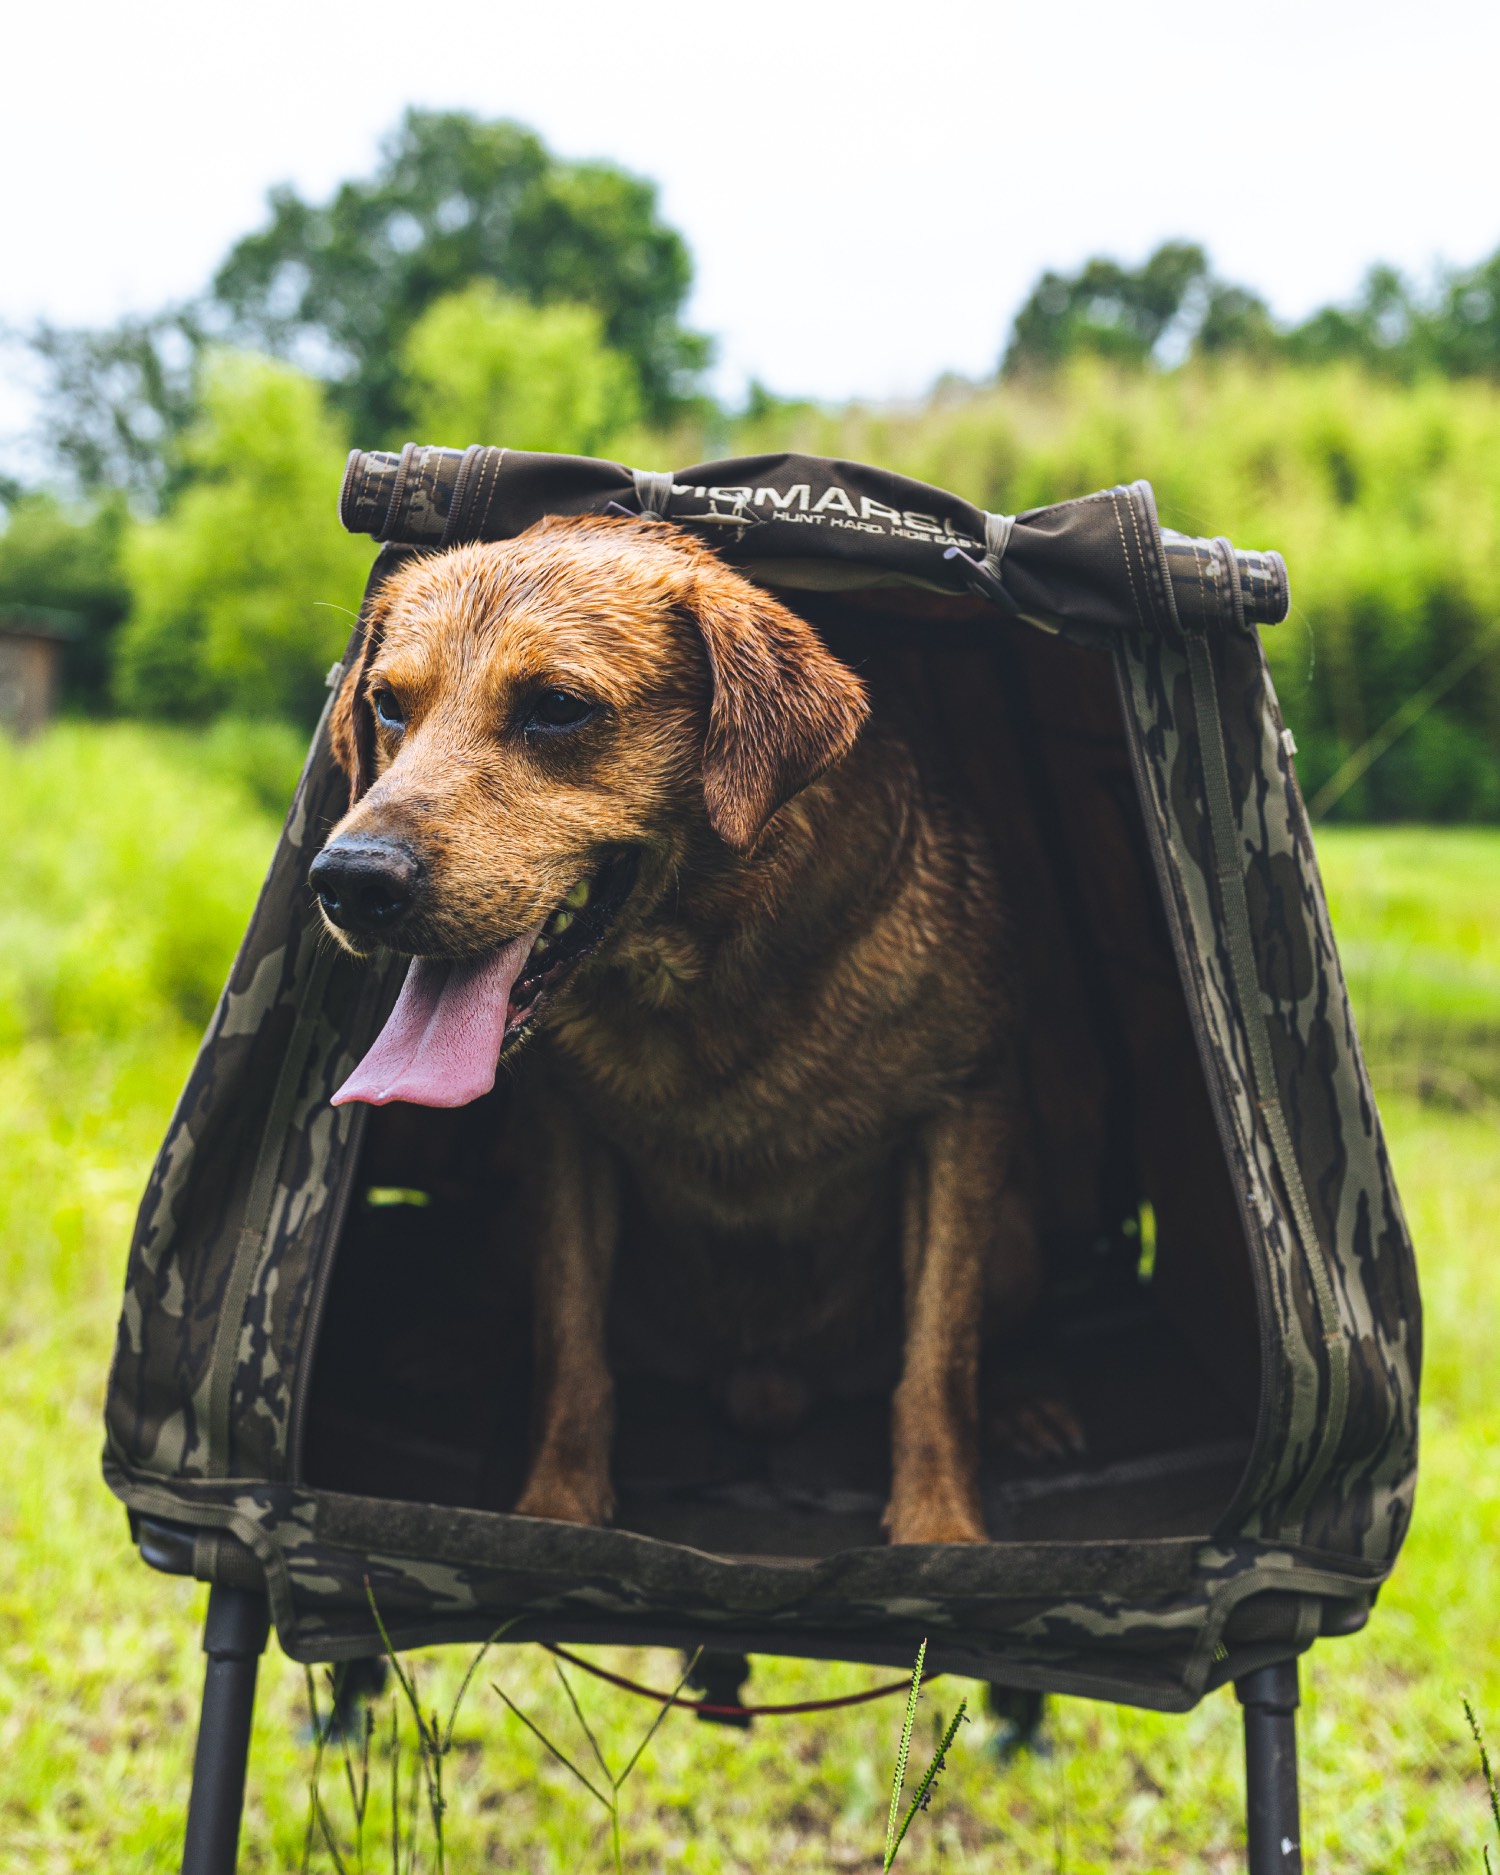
x: 31, y: 658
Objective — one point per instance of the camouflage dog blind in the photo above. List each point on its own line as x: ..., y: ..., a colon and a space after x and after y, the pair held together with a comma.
x: 322, y: 1371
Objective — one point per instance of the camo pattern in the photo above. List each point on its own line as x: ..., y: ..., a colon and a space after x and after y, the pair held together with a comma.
x: 233, y: 1218
x: 1357, y: 1500
x: 238, y: 1223
x: 1151, y: 1623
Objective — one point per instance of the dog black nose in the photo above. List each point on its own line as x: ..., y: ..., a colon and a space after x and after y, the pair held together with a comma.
x: 365, y: 886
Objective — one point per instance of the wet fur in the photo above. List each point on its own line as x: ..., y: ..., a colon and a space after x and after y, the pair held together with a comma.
x: 785, y: 1076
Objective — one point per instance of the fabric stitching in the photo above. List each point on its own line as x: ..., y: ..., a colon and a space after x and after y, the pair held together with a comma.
x: 1125, y: 550
x: 489, y: 481
x: 1140, y: 545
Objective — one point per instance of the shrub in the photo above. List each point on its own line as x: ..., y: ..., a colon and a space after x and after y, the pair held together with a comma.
x: 130, y: 867
x: 481, y: 367
x: 244, y: 592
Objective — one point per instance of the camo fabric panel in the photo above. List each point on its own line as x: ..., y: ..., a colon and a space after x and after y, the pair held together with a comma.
x: 183, y: 1259
x: 211, y: 1247
x: 1351, y: 1496
x: 1362, y: 1504
x: 1141, y: 1622
x: 318, y: 1148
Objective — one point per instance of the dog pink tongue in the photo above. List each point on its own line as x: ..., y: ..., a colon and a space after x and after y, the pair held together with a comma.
x: 440, y: 1046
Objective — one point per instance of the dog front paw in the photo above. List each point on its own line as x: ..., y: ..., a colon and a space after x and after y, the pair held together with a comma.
x: 934, y: 1516
x: 566, y: 1498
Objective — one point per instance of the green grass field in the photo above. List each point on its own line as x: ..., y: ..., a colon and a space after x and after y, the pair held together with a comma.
x: 130, y: 862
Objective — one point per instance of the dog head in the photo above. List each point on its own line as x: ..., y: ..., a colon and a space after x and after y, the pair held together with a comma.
x: 536, y: 734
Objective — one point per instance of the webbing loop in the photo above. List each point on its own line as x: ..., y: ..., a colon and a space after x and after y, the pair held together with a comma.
x: 654, y: 491
x: 998, y: 529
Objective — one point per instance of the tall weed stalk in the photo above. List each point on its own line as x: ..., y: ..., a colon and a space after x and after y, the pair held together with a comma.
x: 606, y: 1793
x: 1489, y: 1779
x: 897, y: 1825
x: 434, y: 1744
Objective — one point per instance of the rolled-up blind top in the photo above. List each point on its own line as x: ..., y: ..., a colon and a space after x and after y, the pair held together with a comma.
x: 1091, y: 567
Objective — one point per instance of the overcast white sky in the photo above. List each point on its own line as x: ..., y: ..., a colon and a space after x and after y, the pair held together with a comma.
x: 868, y: 190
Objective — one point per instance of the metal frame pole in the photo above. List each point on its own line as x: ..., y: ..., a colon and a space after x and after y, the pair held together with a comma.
x: 234, y: 1637
x: 1273, y: 1825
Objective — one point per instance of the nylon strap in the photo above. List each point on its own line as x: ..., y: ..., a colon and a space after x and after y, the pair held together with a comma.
x: 1235, y: 911
x: 653, y: 490
x: 998, y: 529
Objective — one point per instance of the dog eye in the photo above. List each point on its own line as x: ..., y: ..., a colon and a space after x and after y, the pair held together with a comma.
x: 388, y: 709
x: 558, y: 709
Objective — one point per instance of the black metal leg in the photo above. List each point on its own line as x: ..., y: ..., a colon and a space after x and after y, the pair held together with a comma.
x: 357, y: 1684
x: 1020, y: 1713
x: 1269, y: 1696
x: 720, y: 1679
x: 234, y: 1637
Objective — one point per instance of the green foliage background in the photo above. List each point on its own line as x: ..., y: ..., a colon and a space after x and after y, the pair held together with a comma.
x: 475, y: 287
x: 244, y: 592
x: 455, y: 199
x: 480, y: 363
x: 1384, y: 497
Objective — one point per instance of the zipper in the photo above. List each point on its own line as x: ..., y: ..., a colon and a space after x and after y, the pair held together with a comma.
x: 1269, y: 1327
x: 1267, y: 1090
x: 1250, y: 1225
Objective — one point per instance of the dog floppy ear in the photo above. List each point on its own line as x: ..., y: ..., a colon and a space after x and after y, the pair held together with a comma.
x: 783, y: 708
x: 351, y: 724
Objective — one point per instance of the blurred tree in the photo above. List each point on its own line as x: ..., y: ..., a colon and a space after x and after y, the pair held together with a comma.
x: 117, y: 400
x: 1385, y: 327
x: 72, y: 563
x: 245, y: 591
x: 455, y: 199
x: 1233, y: 319
x: 1173, y: 306
x: 485, y: 367
x: 1121, y: 313
x: 1454, y: 331
x: 1466, y: 328
x: 335, y: 289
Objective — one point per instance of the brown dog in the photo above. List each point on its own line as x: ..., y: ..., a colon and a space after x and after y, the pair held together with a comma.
x: 600, y: 778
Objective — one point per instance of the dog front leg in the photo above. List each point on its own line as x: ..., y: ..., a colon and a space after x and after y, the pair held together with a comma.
x: 954, y: 1202
x: 573, y: 1220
